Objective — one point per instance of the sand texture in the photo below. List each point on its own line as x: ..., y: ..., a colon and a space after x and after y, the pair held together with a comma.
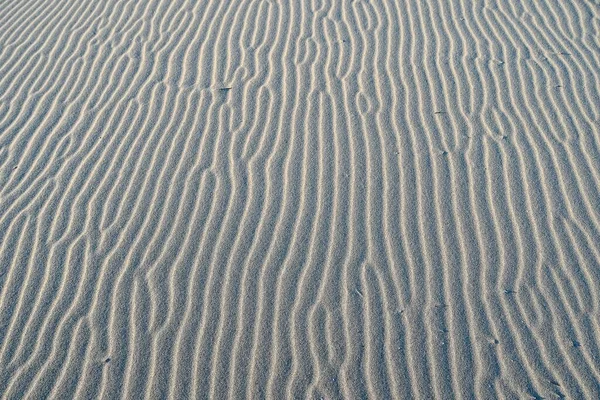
x: 299, y: 199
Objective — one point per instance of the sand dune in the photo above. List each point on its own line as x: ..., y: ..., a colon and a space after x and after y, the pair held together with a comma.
x: 299, y: 199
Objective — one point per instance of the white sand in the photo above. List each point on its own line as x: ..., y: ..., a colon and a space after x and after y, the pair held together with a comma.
x: 299, y: 199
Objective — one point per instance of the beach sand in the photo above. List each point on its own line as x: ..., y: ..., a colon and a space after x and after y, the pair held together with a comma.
x: 299, y: 199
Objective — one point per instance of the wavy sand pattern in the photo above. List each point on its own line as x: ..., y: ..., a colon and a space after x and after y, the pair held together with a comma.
x: 299, y: 199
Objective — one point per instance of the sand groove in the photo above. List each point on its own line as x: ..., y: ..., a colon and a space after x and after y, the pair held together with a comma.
x: 305, y: 199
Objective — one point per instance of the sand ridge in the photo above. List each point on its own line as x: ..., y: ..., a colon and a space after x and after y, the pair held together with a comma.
x: 299, y: 199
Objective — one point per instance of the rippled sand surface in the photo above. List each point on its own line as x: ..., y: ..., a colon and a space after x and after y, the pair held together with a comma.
x: 299, y: 199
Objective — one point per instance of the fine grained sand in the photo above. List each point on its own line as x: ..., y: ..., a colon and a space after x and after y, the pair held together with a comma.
x: 299, y: 199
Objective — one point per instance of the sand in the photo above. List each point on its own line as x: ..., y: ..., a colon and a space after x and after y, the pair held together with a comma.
x: 299, y: 199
